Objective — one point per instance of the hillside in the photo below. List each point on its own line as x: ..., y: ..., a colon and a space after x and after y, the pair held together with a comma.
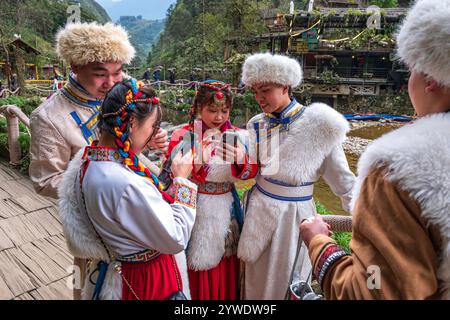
x: 194, y: 33
x: 37, y: 21
x: 143, y: 33
x: 195, y: 30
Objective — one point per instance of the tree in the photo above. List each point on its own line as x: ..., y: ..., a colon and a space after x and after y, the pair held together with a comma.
x: 385, y: 3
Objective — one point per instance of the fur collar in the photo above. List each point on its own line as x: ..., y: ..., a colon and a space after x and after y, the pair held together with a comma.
x: 81, y: 238
x: 309, y: 140
x: 417, y: 156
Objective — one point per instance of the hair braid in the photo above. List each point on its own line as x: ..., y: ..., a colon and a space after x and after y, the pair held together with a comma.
x: 121, y: 133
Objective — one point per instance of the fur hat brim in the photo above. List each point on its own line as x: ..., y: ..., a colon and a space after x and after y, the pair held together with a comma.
x: 424, y: 39
x: 268, y: 68
x: 83, y: 43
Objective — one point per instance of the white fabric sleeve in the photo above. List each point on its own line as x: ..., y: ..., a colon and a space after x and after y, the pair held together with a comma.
x: 152, y: 222
x: 338, y: 176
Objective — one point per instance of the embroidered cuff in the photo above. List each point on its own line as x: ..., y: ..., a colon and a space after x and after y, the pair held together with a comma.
x: 245, y: 171
x: 185, y: 194
x: 329, y: 256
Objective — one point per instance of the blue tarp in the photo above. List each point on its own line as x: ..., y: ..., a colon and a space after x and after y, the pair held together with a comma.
x: 377, y: 117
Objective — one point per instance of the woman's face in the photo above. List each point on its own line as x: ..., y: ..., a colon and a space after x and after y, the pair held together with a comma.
x: 215, y: 116
x: 142, y: 132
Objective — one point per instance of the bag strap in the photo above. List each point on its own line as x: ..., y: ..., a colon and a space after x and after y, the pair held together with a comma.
x: 112, y: 257
x: 291, y: 277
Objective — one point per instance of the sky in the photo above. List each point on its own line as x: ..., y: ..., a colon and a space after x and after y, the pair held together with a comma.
x: 149, y: 9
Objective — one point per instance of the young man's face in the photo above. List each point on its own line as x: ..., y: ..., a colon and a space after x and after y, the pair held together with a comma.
x: 98, y: 78
x: 271, y: 97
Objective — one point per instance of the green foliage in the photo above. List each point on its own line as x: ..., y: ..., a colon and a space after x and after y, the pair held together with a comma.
x: 4, y: 141
x: 342, y: 238
x: 180, y: 100
x: 329, y: 77
x: 243, y: 103
x: 17, y: 100
x: 143, y: 33
x: 37, y: 21
x: 26, y: 104
x: 198, y: 32
x: 385, y: 3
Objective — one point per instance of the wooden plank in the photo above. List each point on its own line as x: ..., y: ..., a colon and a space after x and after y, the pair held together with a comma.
x: 51, y: 269
x: 25, y: 296
x: 26, y: 182
x: 4, y: 194
x: 54, y: 212
x: 36, y: 295
x: 13, y: 275
x: 55, y: 291
x: 4, y: 175
x: 54, y: 252
x: 30, y: 266
x: 61, y: 244
x: 37, y: 231
x: 5, y: 242
x: 30, y: 202
x: 14, y: 174
x: 10, y: 209
x: 46, y: 221
x: 17, y: 231
x: 5, y: 293
x: 35, y: 225
x: 14, y: 188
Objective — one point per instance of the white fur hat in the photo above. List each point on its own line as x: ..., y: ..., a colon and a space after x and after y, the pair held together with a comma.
x: 83, y: 43
x: 424, y: 39
x: 268, y: 68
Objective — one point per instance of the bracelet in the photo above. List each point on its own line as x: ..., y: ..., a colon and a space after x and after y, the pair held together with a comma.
x: 330, y: 255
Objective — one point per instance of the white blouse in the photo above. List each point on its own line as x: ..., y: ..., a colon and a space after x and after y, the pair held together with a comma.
x: 130, y: 214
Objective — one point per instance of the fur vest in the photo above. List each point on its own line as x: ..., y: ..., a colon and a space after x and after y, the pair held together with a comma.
x: 417, y: 156
x: 83, y: 242
x: 301, y: 154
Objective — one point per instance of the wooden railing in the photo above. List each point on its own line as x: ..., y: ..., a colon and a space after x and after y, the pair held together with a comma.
x: 13, y: 115
x: 5, y: 93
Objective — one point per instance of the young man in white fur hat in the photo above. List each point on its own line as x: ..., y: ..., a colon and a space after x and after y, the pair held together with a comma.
x: 68, y: 120
x: 401, y: 238
x: 303, y: 143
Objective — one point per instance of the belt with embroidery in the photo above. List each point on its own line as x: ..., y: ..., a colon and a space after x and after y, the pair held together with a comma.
x: 215, y: 187
x: 140, y: 257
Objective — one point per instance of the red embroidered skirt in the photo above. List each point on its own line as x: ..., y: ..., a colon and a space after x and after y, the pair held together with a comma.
x: 218, y: 283
x: 157, y: 279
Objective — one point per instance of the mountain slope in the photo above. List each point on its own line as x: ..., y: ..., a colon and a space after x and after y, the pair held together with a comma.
x: 143, y: 33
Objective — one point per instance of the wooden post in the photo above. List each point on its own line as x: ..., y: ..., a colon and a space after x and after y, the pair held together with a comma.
x: 13, y: 139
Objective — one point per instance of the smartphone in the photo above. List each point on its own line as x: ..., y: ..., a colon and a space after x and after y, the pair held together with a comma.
x: 230, y: 137
x: 186, y: 144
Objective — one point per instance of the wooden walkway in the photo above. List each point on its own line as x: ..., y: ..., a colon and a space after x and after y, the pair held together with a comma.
x: 33, y: 254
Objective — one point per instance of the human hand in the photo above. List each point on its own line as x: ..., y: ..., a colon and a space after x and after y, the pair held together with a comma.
x: 313, y: 226
x: 231, y: 154
x: 160, y: 141
x: 182, y: 165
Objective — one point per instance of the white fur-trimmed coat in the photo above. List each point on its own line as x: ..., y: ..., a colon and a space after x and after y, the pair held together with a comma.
x: 83, y: 242
x: 311, y: 148
x: 214, y: 234
x: 417, y: 156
